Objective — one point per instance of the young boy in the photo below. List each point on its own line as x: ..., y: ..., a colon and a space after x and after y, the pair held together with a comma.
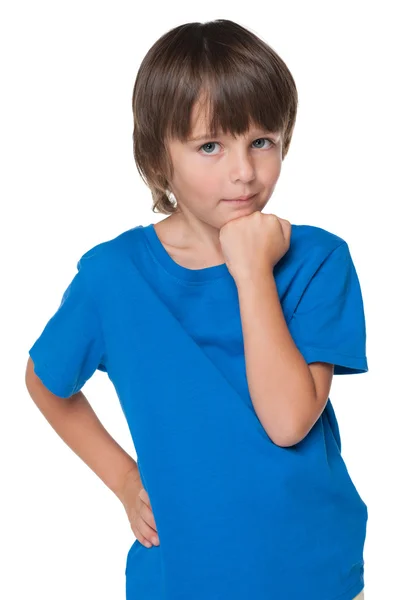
x: 221, y: 328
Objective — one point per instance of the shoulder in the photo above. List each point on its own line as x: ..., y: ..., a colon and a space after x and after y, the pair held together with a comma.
x: 316, y: 266
x: 311, y: 237
x: 313, y: 250
x: 310, y: 246
x: 109, y: 254
x: 104, y: 265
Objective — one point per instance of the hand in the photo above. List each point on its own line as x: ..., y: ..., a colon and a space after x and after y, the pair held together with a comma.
x: 253, y: 244
x: 138, y: 508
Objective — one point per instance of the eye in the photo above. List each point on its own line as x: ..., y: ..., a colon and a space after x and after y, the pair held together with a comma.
x: 257, y: 140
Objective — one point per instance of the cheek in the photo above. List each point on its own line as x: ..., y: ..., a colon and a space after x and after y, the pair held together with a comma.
x: 270, y: 175
x: 204, y: 183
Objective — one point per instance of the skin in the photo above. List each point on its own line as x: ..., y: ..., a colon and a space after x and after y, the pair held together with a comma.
x: 205, y: 172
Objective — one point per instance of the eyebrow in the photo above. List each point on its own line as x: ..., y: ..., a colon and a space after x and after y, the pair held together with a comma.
x: 206, y: 136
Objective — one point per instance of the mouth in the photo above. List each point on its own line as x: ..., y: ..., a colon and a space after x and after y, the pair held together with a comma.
x: 241, y: 200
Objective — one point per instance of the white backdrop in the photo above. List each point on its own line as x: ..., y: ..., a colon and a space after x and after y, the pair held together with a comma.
x: 69, y: 182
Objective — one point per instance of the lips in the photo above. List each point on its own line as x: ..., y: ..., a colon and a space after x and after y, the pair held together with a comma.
x: 240, y: 199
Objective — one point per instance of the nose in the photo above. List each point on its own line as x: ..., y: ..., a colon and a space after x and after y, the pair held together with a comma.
x: 241, y: 166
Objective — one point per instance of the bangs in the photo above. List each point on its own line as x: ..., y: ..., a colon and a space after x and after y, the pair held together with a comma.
x: 232, y: 104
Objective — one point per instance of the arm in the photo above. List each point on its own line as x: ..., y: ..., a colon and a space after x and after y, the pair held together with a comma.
x: 77, y: 424
x: 288, y: 395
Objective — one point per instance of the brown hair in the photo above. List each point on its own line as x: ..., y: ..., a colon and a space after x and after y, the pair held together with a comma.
x: 238, y: 77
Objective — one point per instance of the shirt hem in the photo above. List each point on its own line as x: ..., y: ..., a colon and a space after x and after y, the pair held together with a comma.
x: 351, y: 593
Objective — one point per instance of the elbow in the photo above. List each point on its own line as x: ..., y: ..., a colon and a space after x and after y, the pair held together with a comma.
x: 289, y: 427
x: 290, y: 431
x: 285, y: 437
x: 285, y: 442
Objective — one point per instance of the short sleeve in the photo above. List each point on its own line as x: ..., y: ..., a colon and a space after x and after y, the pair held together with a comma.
x: 328, y: 324
x: 70, y: 347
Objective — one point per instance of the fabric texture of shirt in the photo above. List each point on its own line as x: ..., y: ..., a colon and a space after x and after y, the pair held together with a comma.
x: 237, y: 516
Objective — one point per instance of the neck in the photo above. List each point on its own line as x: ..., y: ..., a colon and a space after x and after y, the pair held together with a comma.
x: 197, y: 235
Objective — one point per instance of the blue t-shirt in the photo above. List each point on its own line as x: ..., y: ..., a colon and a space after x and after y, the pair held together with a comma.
x: 237, y: 516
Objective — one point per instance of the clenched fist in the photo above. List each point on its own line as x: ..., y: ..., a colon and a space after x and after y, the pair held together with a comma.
x: 253, y: 244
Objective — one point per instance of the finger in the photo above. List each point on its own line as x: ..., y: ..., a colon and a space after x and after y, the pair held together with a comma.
x: 143, y: 495
x: 147, y: 532
x: 148, y: 516
x: 141, y: 538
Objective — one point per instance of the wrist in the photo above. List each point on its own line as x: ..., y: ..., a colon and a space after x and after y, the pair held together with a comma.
x: 129, y: 485
x: 254, y: 278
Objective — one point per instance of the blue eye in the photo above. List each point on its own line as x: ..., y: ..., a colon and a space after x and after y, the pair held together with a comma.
x: 213, y: 143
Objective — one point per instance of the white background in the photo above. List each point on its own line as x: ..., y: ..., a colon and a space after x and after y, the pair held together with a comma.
x: 69, y: 182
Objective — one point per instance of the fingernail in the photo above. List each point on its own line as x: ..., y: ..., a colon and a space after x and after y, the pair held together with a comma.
x: 154, y: 540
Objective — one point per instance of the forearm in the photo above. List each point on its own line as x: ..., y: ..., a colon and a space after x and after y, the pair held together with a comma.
x: 280, y: 382
x: 77, y: 424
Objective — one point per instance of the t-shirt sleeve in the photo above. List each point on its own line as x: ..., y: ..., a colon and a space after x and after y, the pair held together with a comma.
x: 328, y: 324
x: 70, y: 347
